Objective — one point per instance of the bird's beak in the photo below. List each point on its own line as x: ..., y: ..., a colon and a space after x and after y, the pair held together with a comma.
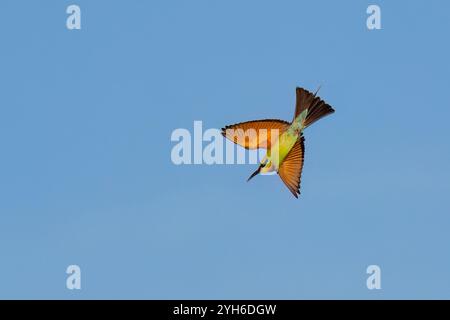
x: 254, y: 173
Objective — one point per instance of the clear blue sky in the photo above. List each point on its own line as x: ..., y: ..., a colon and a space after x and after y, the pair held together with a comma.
x: 85, y: 170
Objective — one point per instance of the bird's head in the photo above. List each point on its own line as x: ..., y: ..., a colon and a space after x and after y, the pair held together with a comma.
x: 264, y: 168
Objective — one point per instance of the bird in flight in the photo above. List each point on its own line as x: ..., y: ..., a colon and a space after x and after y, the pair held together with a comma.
x: 283, y: 140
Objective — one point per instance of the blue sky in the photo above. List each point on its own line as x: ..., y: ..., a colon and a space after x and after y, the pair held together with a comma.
x: 86, y: 176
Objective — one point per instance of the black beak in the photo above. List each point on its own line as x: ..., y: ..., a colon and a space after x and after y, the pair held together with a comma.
x: 254, y: 173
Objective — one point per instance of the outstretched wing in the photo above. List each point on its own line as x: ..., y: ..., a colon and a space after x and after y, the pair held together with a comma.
x: 255, y: 134
x: 290, y: 170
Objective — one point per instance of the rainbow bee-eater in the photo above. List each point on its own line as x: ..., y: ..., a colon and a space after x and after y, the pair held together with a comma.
x: 283, y: 140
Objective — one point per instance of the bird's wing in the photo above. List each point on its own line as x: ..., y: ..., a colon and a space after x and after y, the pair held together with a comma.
x: 290, y: 170
x: 255, y: 134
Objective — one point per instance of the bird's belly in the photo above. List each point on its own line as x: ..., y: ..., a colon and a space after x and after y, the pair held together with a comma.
x: 281, y: 148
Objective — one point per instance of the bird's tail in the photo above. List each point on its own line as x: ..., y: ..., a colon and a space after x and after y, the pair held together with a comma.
x: 317, y: 108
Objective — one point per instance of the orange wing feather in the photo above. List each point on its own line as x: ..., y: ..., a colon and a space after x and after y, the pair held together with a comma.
x: 255, y: 134
x: 290, y: 170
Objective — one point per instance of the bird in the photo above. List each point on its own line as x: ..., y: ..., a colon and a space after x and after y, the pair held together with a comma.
x: 284, y: 141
